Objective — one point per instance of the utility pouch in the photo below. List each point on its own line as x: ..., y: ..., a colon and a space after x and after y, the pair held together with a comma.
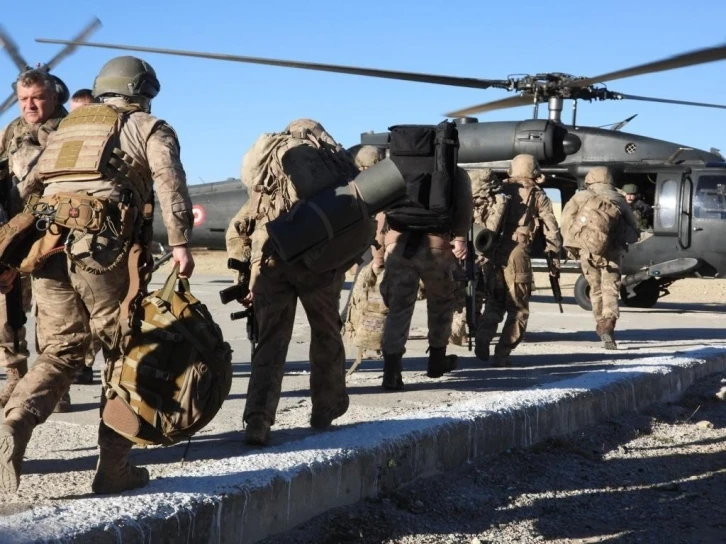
x: 70, y: 210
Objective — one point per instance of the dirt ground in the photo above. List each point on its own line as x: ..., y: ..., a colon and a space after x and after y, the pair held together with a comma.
x: 655, y: 476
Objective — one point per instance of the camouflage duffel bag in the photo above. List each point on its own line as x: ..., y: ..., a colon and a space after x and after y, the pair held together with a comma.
x: 175, y: 371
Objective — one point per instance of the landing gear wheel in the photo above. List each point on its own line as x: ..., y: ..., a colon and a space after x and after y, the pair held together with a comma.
x: 645, y: 294
x: 582, y: 293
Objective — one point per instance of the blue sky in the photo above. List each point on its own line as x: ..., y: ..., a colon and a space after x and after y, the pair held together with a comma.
x: 219, y: 108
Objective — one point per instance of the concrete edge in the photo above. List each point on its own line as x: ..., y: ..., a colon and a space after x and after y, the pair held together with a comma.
x: 392, y: 459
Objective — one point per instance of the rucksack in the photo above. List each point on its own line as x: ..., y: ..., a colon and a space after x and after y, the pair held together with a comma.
x: 284, y: 170
x: 175, y: 371
x: 427, y: 157
x: 596, y: 225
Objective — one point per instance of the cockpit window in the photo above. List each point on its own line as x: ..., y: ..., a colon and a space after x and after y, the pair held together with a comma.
x: 710, y: 201
x: 667, y: 204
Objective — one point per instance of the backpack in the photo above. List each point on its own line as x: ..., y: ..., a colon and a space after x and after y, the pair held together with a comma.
x: 367, y: 312
x: 283, y: 172
x: 175, y: 371
x: 427, y: 157
x: 596, y: 225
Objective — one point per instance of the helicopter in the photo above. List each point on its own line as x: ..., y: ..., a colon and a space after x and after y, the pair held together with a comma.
x: 686, y: 186
x: 10, y: 47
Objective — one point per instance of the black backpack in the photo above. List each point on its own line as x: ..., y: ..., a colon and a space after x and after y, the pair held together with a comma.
x: 427, y: 157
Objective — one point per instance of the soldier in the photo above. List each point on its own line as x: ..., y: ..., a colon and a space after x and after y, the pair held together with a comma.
x: 602, y: 271
x: 82, y: 97
x: 433, y: 262
x: 20, y: 145
x: 642, y: 211
x: 142, y: 153
x: 275, y: 288
x: 509, y: 277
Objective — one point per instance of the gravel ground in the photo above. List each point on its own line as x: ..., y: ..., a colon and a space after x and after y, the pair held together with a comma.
x: 654, y: 476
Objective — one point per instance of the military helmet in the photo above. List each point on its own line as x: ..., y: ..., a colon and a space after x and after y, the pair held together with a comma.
x: 127, y: 76
x: 630, y: 189
x: 524, y: 166
x: 599, y: 174
x: 366, y: 156
x: 312, y: 126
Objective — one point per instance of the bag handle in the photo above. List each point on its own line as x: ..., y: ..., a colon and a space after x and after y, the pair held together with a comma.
x: 168, y: 288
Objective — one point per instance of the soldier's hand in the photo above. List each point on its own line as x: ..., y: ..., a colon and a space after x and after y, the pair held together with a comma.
x: 459, y: 249
x: 247, y: 301
x: 183, y: 256
x: 7, y: 278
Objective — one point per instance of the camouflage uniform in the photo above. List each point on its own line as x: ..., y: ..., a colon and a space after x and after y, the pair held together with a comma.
x: 433, y: 263
x: 602, y: 271
x: 68, y: 296
x: 509, y: 274
x: 21, y: 143
x: 276, y: 287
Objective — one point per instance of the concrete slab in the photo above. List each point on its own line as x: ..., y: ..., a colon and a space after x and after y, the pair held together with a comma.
x: 222, y: 491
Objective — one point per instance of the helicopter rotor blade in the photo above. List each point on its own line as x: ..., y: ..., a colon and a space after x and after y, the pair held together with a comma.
x: 692, y: 58
x: 511, y: 102
x: 82, y: 36
x: 7, y: 43
x: 7, y: 104
x: 352, y: 70
x: 668, y: 101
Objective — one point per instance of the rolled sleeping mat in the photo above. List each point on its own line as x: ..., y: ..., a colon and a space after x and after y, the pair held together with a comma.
x: 336, y: 210
x: 483, y: 239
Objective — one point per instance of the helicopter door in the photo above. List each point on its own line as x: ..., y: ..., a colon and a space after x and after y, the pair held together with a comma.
x: 667, y: 205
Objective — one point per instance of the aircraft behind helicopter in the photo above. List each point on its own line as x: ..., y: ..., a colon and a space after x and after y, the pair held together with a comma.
x: 686, y: 186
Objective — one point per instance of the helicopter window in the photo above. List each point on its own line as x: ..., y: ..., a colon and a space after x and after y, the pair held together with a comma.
x: 667, y: 204
x: 710, y: 200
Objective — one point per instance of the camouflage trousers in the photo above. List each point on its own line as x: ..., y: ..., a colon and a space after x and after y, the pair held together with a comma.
x: 67, y: 302
x: 603, y: 276
x: 276, y: 291
x: 399, y: 290
x: 8, y: 356
x: 510, y: 288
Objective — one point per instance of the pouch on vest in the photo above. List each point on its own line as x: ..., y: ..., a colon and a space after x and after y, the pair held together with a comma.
x: 176, y: 370
x: 427, y: 157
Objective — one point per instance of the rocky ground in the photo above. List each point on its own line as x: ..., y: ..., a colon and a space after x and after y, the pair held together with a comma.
x: 655, y: 476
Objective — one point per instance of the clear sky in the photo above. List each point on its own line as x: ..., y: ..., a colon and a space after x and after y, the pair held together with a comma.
x: 219, y: 108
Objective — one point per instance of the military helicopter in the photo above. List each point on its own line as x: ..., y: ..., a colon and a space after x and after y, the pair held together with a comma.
x: 686, y: 186
x: 10, y: 47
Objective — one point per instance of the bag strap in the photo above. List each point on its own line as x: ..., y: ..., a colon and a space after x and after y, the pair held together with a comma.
x: 168, y: 290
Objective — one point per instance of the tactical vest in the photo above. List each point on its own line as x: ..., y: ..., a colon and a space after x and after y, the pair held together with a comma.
x: 86, y: 148
x: 427, y: 157
x: 519, y: 223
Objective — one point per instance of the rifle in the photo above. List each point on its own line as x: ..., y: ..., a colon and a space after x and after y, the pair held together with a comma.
x: 469, y: 275
x: 237, y: 292
x: 554, y: 275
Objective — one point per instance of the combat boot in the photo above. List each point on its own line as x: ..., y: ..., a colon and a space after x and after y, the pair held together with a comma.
x: 321, y: 420
x: 64, y: 404
x: 392, y: 378
x: 15, y: 434
x: 606, y: 331
x: 481, y: 350
x: 257, y: 431
x: 12, y: 377
x: 501, y: 361
x: 114, y: 473
x: 440, y: 363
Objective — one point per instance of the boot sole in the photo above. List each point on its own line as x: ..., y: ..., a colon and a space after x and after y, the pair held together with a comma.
x: 608, y: 342
x: 9, y: 477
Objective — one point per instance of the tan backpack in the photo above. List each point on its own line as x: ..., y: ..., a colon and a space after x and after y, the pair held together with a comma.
x: 175, y: 372
x: 367, y: 311
x: 596, y: 226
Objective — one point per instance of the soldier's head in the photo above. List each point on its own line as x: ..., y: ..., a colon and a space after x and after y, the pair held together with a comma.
x: 599, y: 174
x: 366, y: 156
x: 631, y: 192
x: 37, y: 95
x: 525, y: 167
x: 127, y: 77
x: 81, y: 97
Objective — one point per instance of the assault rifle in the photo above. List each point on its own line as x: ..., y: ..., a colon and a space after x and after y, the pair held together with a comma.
x: 470, y: 276
x: 237, y: 292
x: 554, y: 275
